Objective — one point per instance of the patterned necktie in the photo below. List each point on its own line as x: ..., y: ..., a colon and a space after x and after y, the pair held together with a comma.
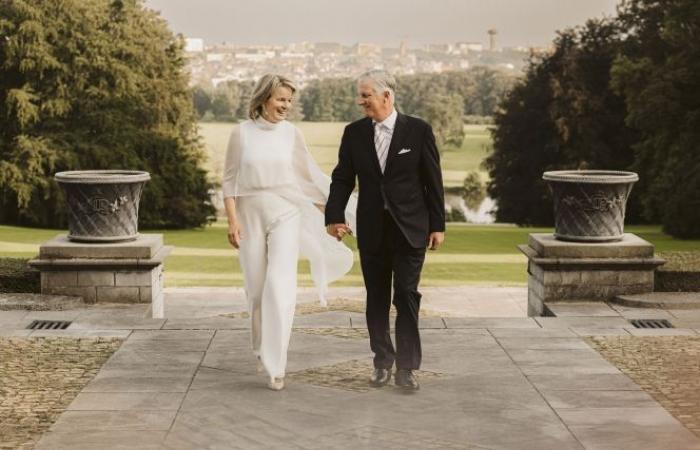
x: 382, y: 139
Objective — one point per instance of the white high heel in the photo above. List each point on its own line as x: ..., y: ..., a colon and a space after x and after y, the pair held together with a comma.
x: 276, y: 384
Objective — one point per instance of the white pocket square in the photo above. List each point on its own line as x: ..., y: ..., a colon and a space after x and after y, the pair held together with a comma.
x: 404, y: 150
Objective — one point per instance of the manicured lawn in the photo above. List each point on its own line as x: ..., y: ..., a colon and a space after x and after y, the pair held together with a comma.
x: 481, y: 254
x: 323, y: 139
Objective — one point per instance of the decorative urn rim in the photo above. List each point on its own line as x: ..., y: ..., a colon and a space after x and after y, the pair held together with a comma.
x: 102, y: 176
x: 591, y: 176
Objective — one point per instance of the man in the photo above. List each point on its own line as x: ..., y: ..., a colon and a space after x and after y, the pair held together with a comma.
x: 400, y: 212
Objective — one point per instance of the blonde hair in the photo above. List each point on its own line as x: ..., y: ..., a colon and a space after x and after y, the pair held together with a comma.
x: 263, y: 91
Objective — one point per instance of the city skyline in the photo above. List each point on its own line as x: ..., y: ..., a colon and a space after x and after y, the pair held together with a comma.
x: 417, y: 22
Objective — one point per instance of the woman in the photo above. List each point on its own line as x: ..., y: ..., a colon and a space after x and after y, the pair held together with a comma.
x: 274, y: 194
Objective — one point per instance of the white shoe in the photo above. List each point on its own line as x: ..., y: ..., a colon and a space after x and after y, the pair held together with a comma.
x: 276, y: 384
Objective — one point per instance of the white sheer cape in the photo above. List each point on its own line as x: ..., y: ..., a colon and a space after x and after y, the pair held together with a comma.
x: 272, y: 158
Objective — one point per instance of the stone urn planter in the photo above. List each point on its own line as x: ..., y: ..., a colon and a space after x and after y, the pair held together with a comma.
x: 589, y: 205
x: 103, y: 205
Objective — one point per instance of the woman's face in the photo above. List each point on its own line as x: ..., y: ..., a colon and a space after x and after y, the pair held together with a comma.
x: 277, y: 106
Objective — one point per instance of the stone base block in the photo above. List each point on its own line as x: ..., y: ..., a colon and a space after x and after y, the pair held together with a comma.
x: 130, y: 272
x: 574, y: 271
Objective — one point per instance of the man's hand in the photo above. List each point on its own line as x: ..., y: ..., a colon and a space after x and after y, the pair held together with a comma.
x: 234, y: 235
x: 436, y: 239
x: 338, y: 230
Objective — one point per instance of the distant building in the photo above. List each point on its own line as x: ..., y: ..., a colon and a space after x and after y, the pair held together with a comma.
x: 211, y: 57
x: 492, y: 39
x: 367, y: 49
x: 255, y: 57
x: 439, y: 48
x: 403, y: 49
x: 328, y: 47
x: 297, y: 55
x: 194, y: 45
x: 470, y: 47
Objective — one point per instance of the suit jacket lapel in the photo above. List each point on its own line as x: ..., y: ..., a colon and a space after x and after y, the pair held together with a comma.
x: 397, y: 138
x: 368, y: 131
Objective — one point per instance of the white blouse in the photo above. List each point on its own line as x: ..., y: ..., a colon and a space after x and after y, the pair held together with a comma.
x: 264, y: 158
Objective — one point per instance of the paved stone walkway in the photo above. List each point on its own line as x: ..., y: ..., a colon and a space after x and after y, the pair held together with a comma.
x: 666, y: 367
x: 510, y: 382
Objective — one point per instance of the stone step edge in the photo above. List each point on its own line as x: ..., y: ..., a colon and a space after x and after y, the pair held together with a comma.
x: 656, y: 300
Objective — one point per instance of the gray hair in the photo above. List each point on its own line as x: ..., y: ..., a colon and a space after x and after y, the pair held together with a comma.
x: 263, y: 91
x: 382, y: 80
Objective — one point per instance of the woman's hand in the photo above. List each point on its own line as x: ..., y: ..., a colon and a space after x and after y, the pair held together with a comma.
x: 234, y: 234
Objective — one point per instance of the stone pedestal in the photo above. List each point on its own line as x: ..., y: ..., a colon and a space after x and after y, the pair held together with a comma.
x: 576, y: 271
x: 125, y: 272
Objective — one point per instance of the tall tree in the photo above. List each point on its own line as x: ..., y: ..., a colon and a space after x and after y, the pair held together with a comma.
x: 658, y: 76
x: 444, y: 113
x: 525, y: 143
x: 201, y: 100
x: 93, y: 84
x: 564, y: 115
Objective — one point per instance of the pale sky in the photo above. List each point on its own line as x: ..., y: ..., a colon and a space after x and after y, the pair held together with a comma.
x: 387, y: 22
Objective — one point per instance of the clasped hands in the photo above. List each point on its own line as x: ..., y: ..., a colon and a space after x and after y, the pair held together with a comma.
x: 338, y: 230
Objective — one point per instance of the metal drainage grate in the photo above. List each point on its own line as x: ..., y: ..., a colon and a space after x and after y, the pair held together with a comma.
x: 49, y: 325
x: 651, y: 323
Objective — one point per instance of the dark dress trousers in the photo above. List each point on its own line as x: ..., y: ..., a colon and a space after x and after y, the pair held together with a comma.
x: 396, y: 212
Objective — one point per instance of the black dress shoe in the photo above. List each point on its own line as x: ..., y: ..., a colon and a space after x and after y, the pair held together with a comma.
x: 405, y: 379
x: 380, y: 377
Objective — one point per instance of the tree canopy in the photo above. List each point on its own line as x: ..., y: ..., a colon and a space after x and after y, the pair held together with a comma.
x: 621, y: 93
x: 658, y: 75
x: 91, y: 84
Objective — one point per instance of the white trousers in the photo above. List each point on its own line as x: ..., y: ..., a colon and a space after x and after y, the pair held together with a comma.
x: 269, y: 251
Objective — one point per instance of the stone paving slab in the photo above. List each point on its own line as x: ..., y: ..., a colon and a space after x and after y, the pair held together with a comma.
x: 207, y: 323
x: 127, y: 401
x: 649, y: 428
x: 583, y: 382
x: 581, y: 309
x: 592, y: 331
x: 130, y: 382
x: 134, y: 420
x: 582, y: 322
x: 539, y: 343
x: 490, y: 322
x: 153, y: 358
x: 531, y: 333
x: 598, y: 399
x: 113, y: 440
x: 117, y: 323
x: 11, y: 317
x: 10, y: 332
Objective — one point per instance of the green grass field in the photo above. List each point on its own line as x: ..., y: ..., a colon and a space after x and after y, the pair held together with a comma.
x: 323, y: 139
x: 472, y: 254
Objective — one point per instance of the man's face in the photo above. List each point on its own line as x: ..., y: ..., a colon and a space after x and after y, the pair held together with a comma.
x: 376, y: 105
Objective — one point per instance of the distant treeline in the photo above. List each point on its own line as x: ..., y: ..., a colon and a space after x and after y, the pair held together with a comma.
x: 444, y: 99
